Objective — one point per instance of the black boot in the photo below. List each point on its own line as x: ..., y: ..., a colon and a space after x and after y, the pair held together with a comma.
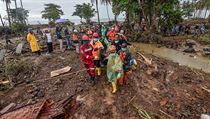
x: 92, y: 78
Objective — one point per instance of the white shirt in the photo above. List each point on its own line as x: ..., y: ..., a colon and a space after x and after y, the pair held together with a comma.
x: 49, y: 37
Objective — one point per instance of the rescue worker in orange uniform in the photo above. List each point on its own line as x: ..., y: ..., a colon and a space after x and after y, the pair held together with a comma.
x: 97, y: 49
x: 86, y: 51
x: 111, y: 35
x: 126, y: 58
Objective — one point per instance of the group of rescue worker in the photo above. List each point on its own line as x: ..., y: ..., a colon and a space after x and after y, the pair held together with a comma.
x: 99, y: 47
x: 107, y: 48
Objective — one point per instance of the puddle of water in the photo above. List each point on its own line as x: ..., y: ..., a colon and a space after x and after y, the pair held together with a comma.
x: 199, y: 62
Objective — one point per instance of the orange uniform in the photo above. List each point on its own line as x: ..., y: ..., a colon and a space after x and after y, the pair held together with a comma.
x: 96, y: 49
x: 111, y: 35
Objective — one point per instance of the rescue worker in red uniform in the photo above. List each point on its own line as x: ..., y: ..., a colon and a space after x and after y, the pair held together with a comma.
x: 87, y: 56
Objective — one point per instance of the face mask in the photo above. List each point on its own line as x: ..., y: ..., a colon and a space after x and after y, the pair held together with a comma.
x: 123, y: 49
x: 95, y: 40
x: 86, y: 43
x: 116, y: 41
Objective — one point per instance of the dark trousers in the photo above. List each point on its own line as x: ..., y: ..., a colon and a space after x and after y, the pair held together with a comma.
x: 50, y: 47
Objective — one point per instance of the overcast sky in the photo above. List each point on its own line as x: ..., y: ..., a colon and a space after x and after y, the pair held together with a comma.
x: 36, y: 6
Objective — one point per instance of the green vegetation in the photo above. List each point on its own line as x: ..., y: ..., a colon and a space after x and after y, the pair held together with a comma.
x: 85, y: 11
x: 52, y: 12
x: 16, y: 15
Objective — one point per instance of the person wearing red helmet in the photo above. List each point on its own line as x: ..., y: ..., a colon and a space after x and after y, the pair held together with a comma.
x: 114, y: 68
x: 97, y: 49
x: 87, y: 56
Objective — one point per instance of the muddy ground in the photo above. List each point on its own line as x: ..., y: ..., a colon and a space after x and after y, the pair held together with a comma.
x: 165, y: 90
x: 174, y: 42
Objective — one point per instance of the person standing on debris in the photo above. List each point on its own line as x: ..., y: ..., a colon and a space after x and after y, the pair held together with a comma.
x: 87, y: 57
x: 114, y: 68
x: 75, y: 39
x: 48, y: 37
x: 59, y: 36
x: 68, y: 38
x: 33, y: 42
x: 97, y: 50
x: 6, y: 36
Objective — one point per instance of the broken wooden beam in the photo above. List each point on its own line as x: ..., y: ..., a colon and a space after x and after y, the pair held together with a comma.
x: 60, y: 71
x: 147, y: 61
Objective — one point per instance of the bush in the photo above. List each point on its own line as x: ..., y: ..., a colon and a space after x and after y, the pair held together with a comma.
x: 14, y: 68
x: 18, y: 27
x: 3, y: 29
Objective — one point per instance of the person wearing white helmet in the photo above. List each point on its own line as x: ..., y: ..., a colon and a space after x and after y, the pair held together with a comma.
x: 75, y: 30
x: 75, y: 39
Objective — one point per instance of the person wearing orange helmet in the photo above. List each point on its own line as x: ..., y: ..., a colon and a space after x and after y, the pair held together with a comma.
x: 87, y: 57
x: 97, y: 49
x: 114, y: 68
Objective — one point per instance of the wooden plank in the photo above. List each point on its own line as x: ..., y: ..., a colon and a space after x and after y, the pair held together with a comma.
x: 8, y: 107
x: 4, y: 82
x: 60, y: 71
x: 204, y: 88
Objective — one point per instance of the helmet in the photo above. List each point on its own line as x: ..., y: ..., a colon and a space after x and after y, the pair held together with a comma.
x: 75, y: 30
x: 121, y: 31
x: 85, y: 37
x: 95, y: 35
x: 30, y: 29
x: 89, y: 32
x: 112, y: 48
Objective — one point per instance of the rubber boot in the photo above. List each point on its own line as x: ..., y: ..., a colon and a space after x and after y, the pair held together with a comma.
x: 92, y: 78
x: 121, y: 81
x: 98, y: 71
x: 114, y: 87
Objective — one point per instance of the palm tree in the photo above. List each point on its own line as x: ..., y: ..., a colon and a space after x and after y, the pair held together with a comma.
x: 106, y: 2
x: 1, y: 21
x: 7, y: 2
x: 21, y: 3
x: 15, y: 9
x: 96, y: 1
